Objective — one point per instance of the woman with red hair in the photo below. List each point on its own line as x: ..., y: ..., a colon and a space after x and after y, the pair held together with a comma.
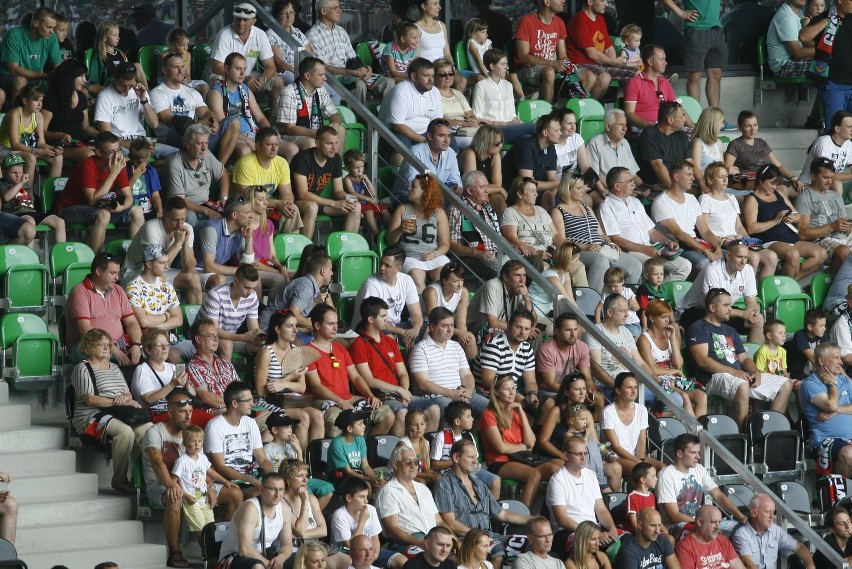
x: 422, y: 230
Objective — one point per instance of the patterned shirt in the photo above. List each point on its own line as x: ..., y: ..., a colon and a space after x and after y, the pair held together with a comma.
x: 295, y: 95
x: 463, y: 231
x: 400, y: 60
x: 213, y: 378
x: 332, y: 45
x: 286, y: 50
x: 497, y: 355
x: 156, y: 299
x: 218, y: 306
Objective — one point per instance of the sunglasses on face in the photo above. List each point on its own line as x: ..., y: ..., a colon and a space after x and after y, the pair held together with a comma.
x: 445, y: 75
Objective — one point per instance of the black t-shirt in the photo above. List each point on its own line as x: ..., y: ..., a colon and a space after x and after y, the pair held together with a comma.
x: 420, y: 562
x: 633, y: 556
x: 840, y: 68
x: 69, y: 121
x: 526, y: 154
x: 654, y: 145
x: 822, y: 562
x: 318, y: 176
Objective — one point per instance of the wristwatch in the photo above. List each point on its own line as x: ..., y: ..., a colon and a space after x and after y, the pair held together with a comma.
x: 144, y: 102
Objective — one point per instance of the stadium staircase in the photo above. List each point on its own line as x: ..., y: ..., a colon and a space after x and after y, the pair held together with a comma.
x: 62, y: 519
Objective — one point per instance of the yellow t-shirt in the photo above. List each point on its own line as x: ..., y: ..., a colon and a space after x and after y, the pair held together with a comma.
x: 768, y: 362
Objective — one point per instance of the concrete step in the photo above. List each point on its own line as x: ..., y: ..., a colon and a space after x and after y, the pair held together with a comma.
x: 95, y: 536
x: 15, y: 416
x: 4, y: 392
x: 74, y: 511
x: 31, y: 438
x: 37, y: 463
x: 137, y: 556
x: 64, y: 486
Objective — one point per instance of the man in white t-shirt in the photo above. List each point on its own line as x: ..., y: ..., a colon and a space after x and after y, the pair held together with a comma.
x: 397, y: 289
x: 679, y: 215
x: 412, y: 104
x: 681, y: 488
x: 624, y: 219
x: 123, y: 106
x: 173, y: 98
x: 439, y: 367
x: 574, y: 496
x: 604, y: 365
x: 837, y: 147
x: 233, y: 444
x: 735, y: 275
x: 243, y: 37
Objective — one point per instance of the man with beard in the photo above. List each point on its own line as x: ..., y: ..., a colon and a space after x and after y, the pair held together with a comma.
x: 412, y: 104
x: 509, y: 353
x: 495, y: 301
x: 436, y: 153
x: 562, y: 355
x: 706, y: 547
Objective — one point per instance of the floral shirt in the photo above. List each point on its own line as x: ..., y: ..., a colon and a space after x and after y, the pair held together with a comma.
x: 155, y: 298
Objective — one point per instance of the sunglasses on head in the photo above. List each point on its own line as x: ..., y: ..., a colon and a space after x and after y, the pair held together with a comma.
x: 247, y: 11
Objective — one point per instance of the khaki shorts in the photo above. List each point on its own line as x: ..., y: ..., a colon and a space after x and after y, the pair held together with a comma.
x: 330, y: 413
x: 197, y: 515
x: 725, y: 385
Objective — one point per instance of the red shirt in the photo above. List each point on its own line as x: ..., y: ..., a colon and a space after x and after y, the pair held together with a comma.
x: 541, y: 37
x: 104, y: 312
x: 514, y: 435
x: 692, y: 554
x: 365, y: 350
x: 583, y: 33
x: 635, y: 503
x: 335, y: 379
x: 87, y: 174
x: 641, y: 90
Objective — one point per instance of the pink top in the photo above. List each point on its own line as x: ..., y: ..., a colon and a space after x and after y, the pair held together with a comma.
x: 261, y: 242
x: 641, y: 90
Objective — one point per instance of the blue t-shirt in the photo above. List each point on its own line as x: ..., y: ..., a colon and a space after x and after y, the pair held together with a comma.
x: 723, y: 345
x: 144, y: 188
x: 839, y: 426
x: 633, y: 555
x: 342, y: 454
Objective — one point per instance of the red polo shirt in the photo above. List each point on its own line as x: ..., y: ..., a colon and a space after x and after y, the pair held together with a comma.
x: 103, y: 311
x: 641, y: 90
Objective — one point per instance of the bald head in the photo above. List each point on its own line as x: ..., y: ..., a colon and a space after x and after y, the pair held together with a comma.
x: 649, y: 526
x: 762, y: 512
x: 709, y: 522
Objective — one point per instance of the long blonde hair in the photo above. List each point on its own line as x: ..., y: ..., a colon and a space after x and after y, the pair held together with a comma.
x: 100, y: 43
x: 504, y: 421
x: 467, y: 555
x: 563, y: 256
x: 304, y: 550
x: 581, y: 542
x: 707, y: 127
x: 251, y: 193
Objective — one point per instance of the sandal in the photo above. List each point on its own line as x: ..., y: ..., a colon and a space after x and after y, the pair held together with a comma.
x: 177, y: 560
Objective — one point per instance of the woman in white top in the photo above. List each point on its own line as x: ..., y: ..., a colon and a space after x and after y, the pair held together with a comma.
x: 434, y: 41
x: 454, y: 105
x: 474, y: 550
x: 570, y: 150
x: 308, y: 523
x: 284, y: 12
x: 722, y: 211
x: 449, y: 292
x: 494, y: 100
x: 525, y: 225
x: 625, y: 424
x: 659, y: 347
x: 706, y: 146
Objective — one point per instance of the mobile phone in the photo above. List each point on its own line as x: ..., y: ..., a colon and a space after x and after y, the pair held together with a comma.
x: 180, y: 368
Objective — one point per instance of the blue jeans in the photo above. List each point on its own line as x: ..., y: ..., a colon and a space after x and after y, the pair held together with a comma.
x: 835, y: 97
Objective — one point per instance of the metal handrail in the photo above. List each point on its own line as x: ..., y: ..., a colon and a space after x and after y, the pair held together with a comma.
x: 376, y: 128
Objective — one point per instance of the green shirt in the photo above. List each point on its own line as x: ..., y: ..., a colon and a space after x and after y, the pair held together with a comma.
x: 710, y: 13
x: 20, y: 48
x: 342, y: 454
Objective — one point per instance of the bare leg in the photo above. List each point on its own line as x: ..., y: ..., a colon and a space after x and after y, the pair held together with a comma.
x: 385, y: 426
x: 97, y: 234
x: 309, y: 211
x: 814, y: 257
x: 171, y: 522
x: 546, y: 84
x: 741, y: 404
x: 399, y: 423
x: 419, y: 278
x: 190, y: 284
x: 693, y: 85
x: 137, y: 219
x: 230, y: 499
x: 9, y: 519
x: 713, y: 86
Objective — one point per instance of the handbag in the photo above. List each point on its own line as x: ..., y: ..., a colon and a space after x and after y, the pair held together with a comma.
x: 529, y: 458
x: 130, y: 416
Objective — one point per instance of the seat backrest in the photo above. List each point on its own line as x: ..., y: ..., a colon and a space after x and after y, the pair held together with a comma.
x: 760, y: 423
x: 751, y: 348
x: 387, y: 178
x: 74, y: 275
x: 8, y: 553
x: 14, y: 255
x: 12, y: 326
x: 379, y: 449
x: 49, y: 187
x: 212, y: 536
x: 587, y: 300
x: 717, y: 425
x: 118, y: 248
x: 738, y: 494
x: 340, y: 242
x: 460, y: 53
x: 774, y: 286
x: 63, y: 254
x: 150, y: 62
x: 664, y: 428
x: 590, y: 127
x: 617, y: 43
x: 616, y: 503
x: 200, y: 55
x: 585, y: 108
x: 819, y: 287
x: 676, y: 290
x: 691, y: 106
x: 287, y: 244
x: 347, y: 115
x: 35, y: 356
x: 190, y: 312
x: 364, y: 53
x: 794, y: 495
x: 317, y: 457
x: 515, y: 506
x: 529, y: 110
x: 761, y: 50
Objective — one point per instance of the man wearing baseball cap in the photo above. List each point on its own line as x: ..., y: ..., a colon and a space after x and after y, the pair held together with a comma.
x: 153, y: 299
x: 244, y: 38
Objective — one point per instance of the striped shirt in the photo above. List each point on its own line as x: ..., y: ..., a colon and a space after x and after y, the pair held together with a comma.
x: 497, y: 355
x: 442, y: 365
x: 581, y: 229
x: 218, y: 306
